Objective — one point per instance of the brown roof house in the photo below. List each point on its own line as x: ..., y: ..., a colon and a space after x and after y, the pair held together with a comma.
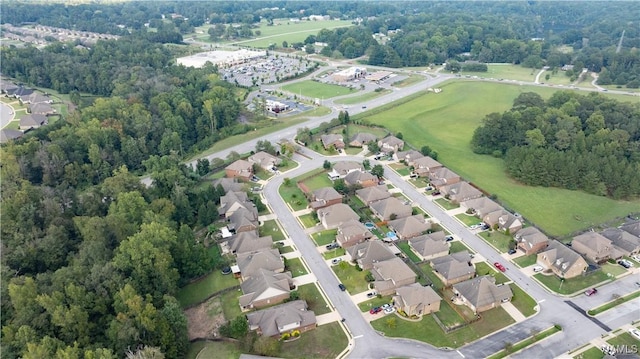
x: 480, y: 206
x: 32, y: 121
x: 424, y: 165
x: 343, y: 168
x: 372, y: 194
x: 333, y: 216
x: 332, y: 140
x: 408, y: 156
x: 562, y: 260
x: 481, y: 293
x: 228, y: 184
x: 359, y: 178
x: 531, y: 240
x: 362, y: 138
x: 390, y: 275
x: 391, y: 144
x: 409, y: 227
x: 442, y: 177
x: 240, y: 169
x: 41, y: 108
x: 245, y: 242
x: 37, y: 98
x: 390, y: 207
x: 367, y: 253
x: 460, y: 192
x: 453, y: 268
x: 232, y: 201
x: 8, y: 134
x: 265, y: 160
x: 594, y: 247
x: 265, y: 288
x: 504, y: 220
x: 429, y: 246
x: 351, y: 233
x: 622, y: 241
x: 251, y: 263
x: 243, y: 220
x: 632, y: 227
x: 324, y: 197
x: 416, y: 300
x: 283, y: 318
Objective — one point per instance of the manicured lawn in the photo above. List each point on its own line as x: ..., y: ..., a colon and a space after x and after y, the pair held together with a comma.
x: 446, y: 122
x: 218, y: 350
x: 353, y: 150
x: 308, y: 220
x: 458, y: 246
x: 525, y: 261
x: 624, y: 339
x: 419, y: 182
x: 285, y: 30
x: 497, y: 239
x: 195, y: 348
x: 325, y: 237
x: 196, y: 292
x: 483, y: 268
x: 525, y: 343
x: 508, y: 71
x: 231, y: 304
x: 428, y: 331
x: 406, y: 249
x: 448, y: 316
x: 287, y: 249
x: 573, y: 285
x: 591, y: 353
x: 361, y: 98
x: 467, y: 219
x: 379, y: 132
x: 352, y: 278
x: 307, y: 175
x: 315, y: 301
x: 375, y: 302
x: 296, y: 268
x: 607, y: 306
x: 293, y: 196
x: 613, y: 269
x: 315, y: 89
x: 403, y: 171
x: 522, y: 301
x: 319, y: 181
x: 270, y: 228
x: 428, y: 271
x: 338, y: 252
x: 326, y: 341
x: 446, y: 204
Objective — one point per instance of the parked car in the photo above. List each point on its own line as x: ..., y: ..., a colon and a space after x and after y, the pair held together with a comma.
x: 375, y: 310
x: 512, y: 251
x: 625, y: 263
x: 538, y: 269
x: 331, y: 246
x: 435, y: 193
x: 386, y: 306
x: 484, y: 226
x: 636, y: 257
x: 500, y: 267
x: 635, y: 332
x: 591, y: 292
x: 428, y: 188
x: 255, y: 179
x: 448, y: 238
x: 342, y: 287
x: 335, y: 261
x: 389, y: 310
x: 371, y: 294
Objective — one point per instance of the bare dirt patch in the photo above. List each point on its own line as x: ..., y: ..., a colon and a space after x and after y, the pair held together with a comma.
x: 205, y: 319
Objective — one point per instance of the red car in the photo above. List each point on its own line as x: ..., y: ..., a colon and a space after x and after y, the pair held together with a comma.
x: 375, y: 310
x: 500, y: 267
x: 591, y: 292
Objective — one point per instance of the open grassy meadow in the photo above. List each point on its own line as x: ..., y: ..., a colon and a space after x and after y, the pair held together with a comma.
x: 507, y: 71
x: 316, y: 89
x: 446, y: 122
x: 285, y: 30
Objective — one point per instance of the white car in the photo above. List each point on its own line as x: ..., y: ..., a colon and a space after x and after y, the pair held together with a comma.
x: 538, y: 269
x: 635, y: 332
x: 336, y: 261
x: 636, y: 257
x: 386, y: 306
x: 389, y: 310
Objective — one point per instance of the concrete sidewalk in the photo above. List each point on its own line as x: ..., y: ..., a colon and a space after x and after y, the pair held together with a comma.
x: 328, y: 318
x: 513, y: 312
x: 304, y: 279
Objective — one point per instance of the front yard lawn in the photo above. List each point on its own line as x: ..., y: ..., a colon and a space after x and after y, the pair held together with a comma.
x: 308, y: 220
x: 294, y: 265
x: 406, y: 249
x: 428, y: 331
x: 591, y: 353
x: 613, y: 269
x: 458, y: 246
x: 483, y: 268
x: 468, y: 220
x: 293, y: 196
x: 420, y: 182
x: 624, y: 339
x: 325, y: 237
x: 337, y: 252
x: 447, y: 205
x: 271, y: 228
x: 522, y: 301
x: 352, y: 278
x: 573, y: 285
x: 198, y: 291
x: 375, y: 302
x: 315, y: 301
x: 326, y: 341
x: 525, y: 261
x: 497, y: 239
x: 287, y: 249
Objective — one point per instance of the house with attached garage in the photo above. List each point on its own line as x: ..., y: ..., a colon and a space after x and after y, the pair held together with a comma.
x: 351, y: 233
x: 481, y: 293
x: 453, y: 268
x: 372, y: 194
x: 625, y: 242
x: 480, y: 206
x: 243, y: 220
x: 251, y: 263
x: 265, y: 160
x: 414, y: 299
x: 531, y: 240
x: 424, y: 165
x: 460, y: 192
x: 283, y: 318
x: 362, y: 138
x: 595, y: 247
x: 232, y: 201
x: 324, y: 197
x: 8, y: 134
x: 228, y: 184
x: 362, y: 179
x: 632, y: 227
x: 390, y: 275
x: 240, y: 169
x: 443, y: 177
x: 265, y: 288
x: 408, y: 156
x: 333, y: 216
x: 429, y: 246
x: 41, y: 109
x: 409, y: 227
x: 332, y: 140
x: 562, y: 260
x: 367, y: 253
x: 245, y: 242
x: 32, y: 121
x: 390, y: 208
x: 343, y: 168
x: 504, y: 220
x: 391, y: 144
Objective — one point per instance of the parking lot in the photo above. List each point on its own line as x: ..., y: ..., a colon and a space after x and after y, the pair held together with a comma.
x: 273, y: 68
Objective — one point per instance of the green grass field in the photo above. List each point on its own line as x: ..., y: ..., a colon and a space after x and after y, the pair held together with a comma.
x: 522, y: 301
x: 446, y: 122
x: 352, y: 278
x: 410, y: 80
x: 318, y: 181
x: 361, y: 98
x: 307, y: 220
x: 483, y: 268
x: 316, y: 89
x: 293, y: 196
x: 325, y: 237
x: 446, y: 204
x: 497, y: 239
x: 591, y: 353
x: 284, y: 30
x: 270, y: 228
x: 457, y: 246
x: 468, y: 220
x: 525, y: 261
x: 198, y: 291
x: 624, y: 339
x: 507, y: 71
x: 406, y: 249
x: 326, y: 341
x: 296, y: 268
x: 573, y: 285
x: 315, y: 301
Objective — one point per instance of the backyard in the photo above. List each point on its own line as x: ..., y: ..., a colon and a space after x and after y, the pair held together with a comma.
x: 406, y: 249
x: 200, y: 290
x: 352, y: 278
x: 315, y: 89
x: 271, y: 228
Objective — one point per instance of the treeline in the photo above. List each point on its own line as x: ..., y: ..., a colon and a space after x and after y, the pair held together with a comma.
x: 350, y: 42
x: 586, y: 142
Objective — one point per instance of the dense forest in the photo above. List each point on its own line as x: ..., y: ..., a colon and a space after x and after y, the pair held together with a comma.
x: 586, y: 142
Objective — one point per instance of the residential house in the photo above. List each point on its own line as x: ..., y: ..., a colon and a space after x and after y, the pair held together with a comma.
x: 362, y: 138
x: 416, y: 300
x: 245, y: 242
x: 334, y: 215
x: 251, y: 263
x: 228, y: 184
x: 367, y: 253
x: 41, y: 108
x: 231, y: 201
x: 265, y: 160
x: 243, y: 220
x: 343, y: 168
x: 35, y: 97
x: 351, y: 233
x: 324, y: 197
x: 390, y: 275
x: 460, y: 192
x: 409, y: 227
x: 8, y: 134
x: 429, y: 246
x: 481, y: 293
x: 32, y: 121
x: 240, y: 169
x: 283, y: 318
x: 562, y: 260
x: 424, y: 165
x: 372, y: 194
x: 622, y: 241
x: 408, y: 156
x: 332, y: 140
x: 362, y: 179
x: 391, y: 144
x: 22, y: 93
x: 442, y: 177
x: 8, y: 88
x: 531, y: 240
x: 390, y: 208
x: 505, y: 221
x: 632, y: 227
x: 265, y: 288
x: 480, y: 206
x: 454, y: 268
x: 594, y: 247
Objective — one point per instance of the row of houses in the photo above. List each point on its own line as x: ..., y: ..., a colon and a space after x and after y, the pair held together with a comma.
x: 388, y: 144
x: 243, y: 169
x: 38, y: 109
x: 41, y: 34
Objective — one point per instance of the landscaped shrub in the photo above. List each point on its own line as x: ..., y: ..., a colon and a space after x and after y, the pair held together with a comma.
x: 285, y: 336
x: 295, y: 333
